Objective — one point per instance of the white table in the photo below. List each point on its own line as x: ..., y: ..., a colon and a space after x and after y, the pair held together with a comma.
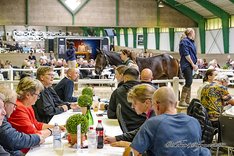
x: 111, y: 127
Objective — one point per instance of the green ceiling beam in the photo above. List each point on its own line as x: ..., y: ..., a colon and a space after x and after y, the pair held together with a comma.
x: 224, y: 17
x: 126, y: 36
x: 200, y: 20
x: 145, y: 40
x: 157, y: 38
x: 117, y: 12
x: 26, y: 11
x: 118, y: 35
x: 171, y: 38
x: 134, y: 32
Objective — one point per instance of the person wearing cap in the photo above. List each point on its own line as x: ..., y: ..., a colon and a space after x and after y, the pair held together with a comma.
x: 71, y: 56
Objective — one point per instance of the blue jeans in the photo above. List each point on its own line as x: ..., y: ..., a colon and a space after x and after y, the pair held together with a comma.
x: 188, y: 76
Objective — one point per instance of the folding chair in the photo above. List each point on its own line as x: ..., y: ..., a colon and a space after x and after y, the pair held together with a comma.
x: 227, y: 137
x: 120, y: 119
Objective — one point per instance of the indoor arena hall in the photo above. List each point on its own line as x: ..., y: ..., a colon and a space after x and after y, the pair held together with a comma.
x: 116, y: 77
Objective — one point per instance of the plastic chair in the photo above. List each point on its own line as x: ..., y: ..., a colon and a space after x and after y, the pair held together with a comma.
x: 120, y: 119
x: 227, y: 137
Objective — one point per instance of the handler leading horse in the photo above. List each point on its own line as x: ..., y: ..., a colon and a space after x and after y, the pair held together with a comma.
x: 163, y: 66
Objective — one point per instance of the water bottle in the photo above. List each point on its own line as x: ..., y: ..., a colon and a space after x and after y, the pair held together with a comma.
x: 100, y: 135
x: 91, y: 138
x: 57, y: 143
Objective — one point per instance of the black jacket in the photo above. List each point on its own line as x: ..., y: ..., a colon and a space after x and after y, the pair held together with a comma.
x: 48, y: 105
x: 131, y: 118
x: 129, y: 136
x: 198, y: 111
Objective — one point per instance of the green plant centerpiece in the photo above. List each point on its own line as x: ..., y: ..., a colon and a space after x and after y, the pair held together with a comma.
x: 87, y: 91
x: 85, y: 102
x: 71, y: 126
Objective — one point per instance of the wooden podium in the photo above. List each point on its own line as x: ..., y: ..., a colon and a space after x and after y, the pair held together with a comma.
x: 85, y: 54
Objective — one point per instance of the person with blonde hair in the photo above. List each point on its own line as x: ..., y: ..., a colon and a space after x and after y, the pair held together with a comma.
x: 11, y: 139
x: 188, y: 60
x: 119, y: 74
x: 49, y: 103
x: 140, y: 97
x: 168, y: 132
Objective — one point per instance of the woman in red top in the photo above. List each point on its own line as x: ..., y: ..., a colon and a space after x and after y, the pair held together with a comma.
x: 23, y: 118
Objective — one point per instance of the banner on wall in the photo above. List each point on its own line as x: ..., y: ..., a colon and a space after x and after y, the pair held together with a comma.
x: 140, y: 40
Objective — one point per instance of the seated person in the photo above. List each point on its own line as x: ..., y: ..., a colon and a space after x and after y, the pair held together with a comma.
x: 11, y: 139
x: 65, y: 87
x: 163, y: 134
x: 140, y: 97
x: 2, y: 115
x: 119, y: 96
x: 49, y: 103
x: 119, y: 74
x: 23, y: 118
x: 147, y: 77
x: 215, y: 96
x: 208, y: 78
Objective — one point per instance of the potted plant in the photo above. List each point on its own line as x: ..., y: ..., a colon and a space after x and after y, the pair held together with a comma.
x: 71, y: 126
x: 85, y: 102
x: 88, y: 91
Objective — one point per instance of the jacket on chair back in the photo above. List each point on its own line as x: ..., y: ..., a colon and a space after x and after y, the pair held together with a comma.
x: 198, y: 111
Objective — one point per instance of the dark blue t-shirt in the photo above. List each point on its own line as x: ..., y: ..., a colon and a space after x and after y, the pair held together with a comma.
x: 166, y: 135
x: 187, y: 47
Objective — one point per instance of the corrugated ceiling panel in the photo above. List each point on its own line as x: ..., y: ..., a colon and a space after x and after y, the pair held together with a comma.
x: 196, y: 7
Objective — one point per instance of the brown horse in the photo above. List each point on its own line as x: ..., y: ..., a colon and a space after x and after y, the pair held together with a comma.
x: 163, y: 66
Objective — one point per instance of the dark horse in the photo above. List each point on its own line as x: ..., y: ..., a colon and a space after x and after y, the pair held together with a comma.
x: 163, y: 66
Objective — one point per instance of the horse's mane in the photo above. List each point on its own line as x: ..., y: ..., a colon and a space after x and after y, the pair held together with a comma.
x: 113, y: 57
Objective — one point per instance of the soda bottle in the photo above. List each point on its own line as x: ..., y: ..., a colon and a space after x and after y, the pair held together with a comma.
x: 100, y: 135
x: 57, y: 143
x: 91, y: 138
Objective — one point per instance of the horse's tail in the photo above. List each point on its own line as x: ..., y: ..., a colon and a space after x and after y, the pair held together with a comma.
x: 180, y: 74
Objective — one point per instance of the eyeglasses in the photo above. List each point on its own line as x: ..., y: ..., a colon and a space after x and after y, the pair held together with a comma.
x: 38, y: 95
x: 50, y: 74
x: 15, y: 105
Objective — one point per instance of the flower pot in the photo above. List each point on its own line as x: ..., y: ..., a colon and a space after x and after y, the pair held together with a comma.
x: 72, y: 139
x: 83, y: 110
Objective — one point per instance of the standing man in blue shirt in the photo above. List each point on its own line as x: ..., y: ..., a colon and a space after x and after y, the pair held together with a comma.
x: 168, y: 133
x: 188, y: 62
x: 71, y: 56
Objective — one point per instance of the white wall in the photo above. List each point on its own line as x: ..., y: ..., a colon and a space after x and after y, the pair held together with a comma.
x: 130, y: 41
x: 177, y: 40
x: 164, y: 41
x: 151, y: 41
x: 214, y: 42
x: 231, y: 39
x: 122, y: 43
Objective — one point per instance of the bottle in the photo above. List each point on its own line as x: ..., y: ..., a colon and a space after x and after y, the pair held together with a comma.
x: 57, y: 142
x: 91, y: 138
x: 78, y: 144
x: 99, y: 132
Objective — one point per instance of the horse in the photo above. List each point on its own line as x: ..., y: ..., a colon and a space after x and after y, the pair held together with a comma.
x: 163, y: 66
